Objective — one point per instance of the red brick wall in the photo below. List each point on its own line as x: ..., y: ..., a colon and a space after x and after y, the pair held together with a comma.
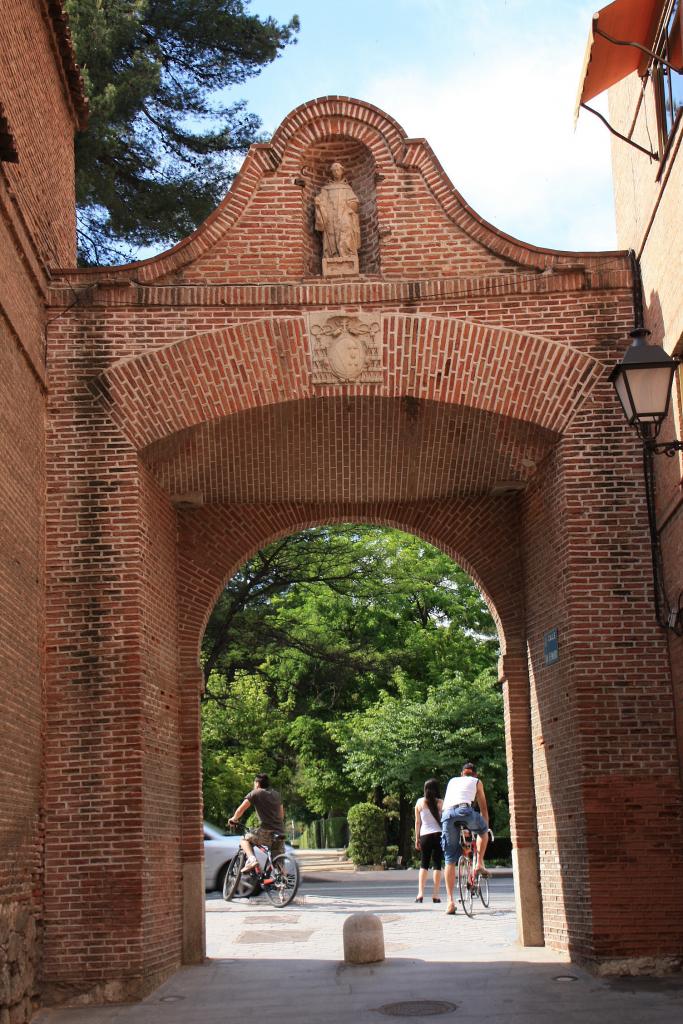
x: 37, y: 106
x: 161, y: 723
x: 556, y: 757
x: 37, y: 228
x: 113, y: 701
x: 604, y: 739
x: 649, y: 210
x: 22, y: 499
x: 94, y: 743
x: 189, y: 375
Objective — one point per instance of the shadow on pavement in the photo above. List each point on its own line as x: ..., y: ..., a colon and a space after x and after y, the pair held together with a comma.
x: 224, y: 991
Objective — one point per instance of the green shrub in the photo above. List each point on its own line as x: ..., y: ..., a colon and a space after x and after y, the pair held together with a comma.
x: 390, y: 857
x: 324, y: 834
x: 307, y: 839
x: 367, y: 826
x: 336, y: 832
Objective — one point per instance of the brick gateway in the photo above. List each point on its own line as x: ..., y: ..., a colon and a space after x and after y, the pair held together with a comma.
x: 190, y: 420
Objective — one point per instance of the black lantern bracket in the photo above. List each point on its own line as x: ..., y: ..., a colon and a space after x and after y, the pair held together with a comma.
x: 643, y: 382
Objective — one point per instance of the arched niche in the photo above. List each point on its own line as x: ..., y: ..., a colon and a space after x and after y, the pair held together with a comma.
x: 359, y: 166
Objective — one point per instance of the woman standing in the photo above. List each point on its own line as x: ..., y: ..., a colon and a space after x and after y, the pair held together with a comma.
x: 428, y: 838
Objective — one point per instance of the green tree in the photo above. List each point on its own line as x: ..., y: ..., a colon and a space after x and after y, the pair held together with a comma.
x: 335, y: 611
x: 157, y: 155
x: 401, y: 740
x: 343, y: 621
x: 241, y: 736
x: 321, y: 780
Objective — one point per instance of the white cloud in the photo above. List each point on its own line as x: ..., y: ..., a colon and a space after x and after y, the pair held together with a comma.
x: 503, y: 130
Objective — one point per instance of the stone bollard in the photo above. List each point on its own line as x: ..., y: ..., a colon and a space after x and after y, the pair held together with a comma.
x: 363, y: 939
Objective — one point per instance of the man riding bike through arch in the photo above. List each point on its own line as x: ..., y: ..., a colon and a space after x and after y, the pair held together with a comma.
x: 457, y: 812
x: 271, y: 814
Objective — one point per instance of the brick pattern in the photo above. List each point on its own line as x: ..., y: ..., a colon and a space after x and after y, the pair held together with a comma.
x: 649, y: 209
x: 597, y: 748
x: 22, y: 498
x: 189, y: 374
x: 400, y: 449
x: 267, y: 183
x: 113, y: 702
x: 161, y: 717
x: 36, y: 228
x: 39, y: 114
x: 526, y: 378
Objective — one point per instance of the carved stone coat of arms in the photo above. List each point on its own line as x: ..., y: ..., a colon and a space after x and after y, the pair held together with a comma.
x: 345, y: 348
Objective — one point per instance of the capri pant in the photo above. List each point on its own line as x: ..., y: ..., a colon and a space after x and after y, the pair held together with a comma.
x: 430, y: 849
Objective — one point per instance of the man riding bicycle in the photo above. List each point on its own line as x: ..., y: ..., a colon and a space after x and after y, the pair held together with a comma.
x: 458, y: 811
x: 271, y: 814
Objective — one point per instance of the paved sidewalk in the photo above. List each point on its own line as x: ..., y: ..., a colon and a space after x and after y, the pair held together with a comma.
x: 286, y: 966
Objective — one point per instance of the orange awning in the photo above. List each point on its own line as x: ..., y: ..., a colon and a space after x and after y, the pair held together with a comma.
x: 605, y: 63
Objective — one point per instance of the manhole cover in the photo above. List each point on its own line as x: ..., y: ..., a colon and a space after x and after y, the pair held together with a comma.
x: 417, y: 1008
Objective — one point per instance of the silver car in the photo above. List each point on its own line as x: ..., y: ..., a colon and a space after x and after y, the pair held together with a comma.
x: 219, y: 850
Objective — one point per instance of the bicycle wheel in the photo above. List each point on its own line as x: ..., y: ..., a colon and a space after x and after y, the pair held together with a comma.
x: 464, y: 886
x: 233, y: 876
x: 483, y: 887
x: 285, y: 880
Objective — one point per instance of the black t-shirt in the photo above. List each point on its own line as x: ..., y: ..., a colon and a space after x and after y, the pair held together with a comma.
x: 267, y: 803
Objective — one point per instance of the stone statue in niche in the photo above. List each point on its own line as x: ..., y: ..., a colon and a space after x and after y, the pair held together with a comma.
x: 336, y: 217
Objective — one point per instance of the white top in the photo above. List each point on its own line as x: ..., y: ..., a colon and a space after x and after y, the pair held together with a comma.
x: 429, y: 824
x: 460, y: 790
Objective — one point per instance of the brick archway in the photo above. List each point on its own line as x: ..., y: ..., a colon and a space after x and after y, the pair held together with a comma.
x: 515, y: 376
x: 216, y: 540
x: 193, y: 415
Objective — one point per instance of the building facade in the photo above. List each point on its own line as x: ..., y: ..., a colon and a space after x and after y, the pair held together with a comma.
x: 39, y: 112
x: 163, y: 420
x: 635, y: 51
x: 646, y: 106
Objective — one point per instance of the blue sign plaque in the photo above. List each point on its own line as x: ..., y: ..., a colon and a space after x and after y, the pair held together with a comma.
x: 551, y: 648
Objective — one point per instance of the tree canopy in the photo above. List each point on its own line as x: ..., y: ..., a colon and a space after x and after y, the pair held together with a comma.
x: 347, y: 662
x: 157, y: 155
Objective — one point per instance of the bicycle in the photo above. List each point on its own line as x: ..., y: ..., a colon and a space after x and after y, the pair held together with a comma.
x: 470, y: 884
x: 278, y: 877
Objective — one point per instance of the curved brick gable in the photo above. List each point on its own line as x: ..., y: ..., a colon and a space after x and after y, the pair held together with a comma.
x: 268, y: 190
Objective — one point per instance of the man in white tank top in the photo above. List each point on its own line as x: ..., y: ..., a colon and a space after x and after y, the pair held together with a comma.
x: 461, y: 793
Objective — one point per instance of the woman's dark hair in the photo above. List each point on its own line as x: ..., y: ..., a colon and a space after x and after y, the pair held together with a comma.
x: 432, y: 794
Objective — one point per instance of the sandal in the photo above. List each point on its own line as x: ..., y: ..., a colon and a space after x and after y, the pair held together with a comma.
x: 451, y: 909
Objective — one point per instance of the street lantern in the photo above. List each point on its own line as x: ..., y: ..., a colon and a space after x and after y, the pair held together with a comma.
x: 642, y: 381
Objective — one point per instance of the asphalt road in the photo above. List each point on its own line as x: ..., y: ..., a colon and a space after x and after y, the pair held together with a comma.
x: 395, y: 886
x: 379, y: 889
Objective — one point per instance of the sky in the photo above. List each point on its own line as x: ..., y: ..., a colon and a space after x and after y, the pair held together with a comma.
x: 491, y: 85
